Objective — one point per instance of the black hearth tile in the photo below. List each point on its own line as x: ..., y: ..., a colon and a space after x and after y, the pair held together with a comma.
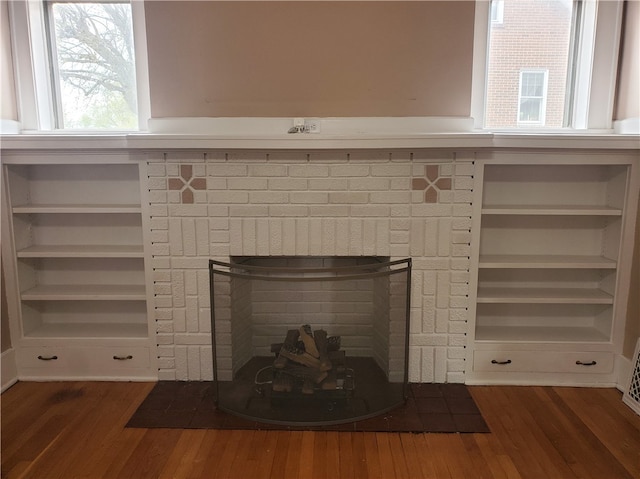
x: 462, y: 405
x: 454, y: 390
x: 426, y: 390
x: 431, y: 405
x: 208, y: 419
x: 237, y: 422
x: 405, y: 423
x: 438, y: 423
x: 470, y: 423
x: 377, y: 424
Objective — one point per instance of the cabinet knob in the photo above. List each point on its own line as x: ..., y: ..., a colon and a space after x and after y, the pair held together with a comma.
x: 47, y: 358
x: 495, y: 361
x: 590, y: 363
x: 123, y: 358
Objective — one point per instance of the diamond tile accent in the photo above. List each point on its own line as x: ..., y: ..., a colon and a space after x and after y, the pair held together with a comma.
x: 433, y: 182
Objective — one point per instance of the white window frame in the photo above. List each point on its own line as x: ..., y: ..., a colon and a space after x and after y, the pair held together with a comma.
x: 597, y: 57
x: 34, y: 89
x: 543, y: 97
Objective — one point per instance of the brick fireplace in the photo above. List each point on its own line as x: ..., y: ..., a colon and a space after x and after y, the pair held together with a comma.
x: 390, y: 203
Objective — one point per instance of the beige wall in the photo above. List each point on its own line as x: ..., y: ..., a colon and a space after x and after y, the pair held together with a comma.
x: 628, y: 98
x: 8, y: 110
x: 286, y: 59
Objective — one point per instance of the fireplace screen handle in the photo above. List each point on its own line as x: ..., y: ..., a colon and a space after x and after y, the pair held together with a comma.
x: 123, y: 358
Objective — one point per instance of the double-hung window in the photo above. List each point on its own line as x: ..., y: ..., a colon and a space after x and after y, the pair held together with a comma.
x: 86, y: 63
x: 532, y: 99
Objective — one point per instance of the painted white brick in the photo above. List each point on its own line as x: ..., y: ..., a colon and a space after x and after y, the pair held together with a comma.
x: 369, y: 184
x: 288, y: 210
x: 202, y: 237
x: 182, y: 368
x: 389, y: 170
x: 226, y: 170
x: 156, y: 169
x: 328, y: 184
x: 308, y: 171
x: 349, y: 170
x: 287, y: 184
x: 431, y: 210
x: 331, y: 211
x: 369, y: 210
x: 456, y: 378
x: 444, y: 237
x: 158, y: 211
x: 399, y: 210
x: 427, y: 365
x: 440, y: 365
x: 189, y: 237
x: 193, y: 362
x: 309, y: 197
x: 226, y: 196
x: 275, y: 237
x: 259, y: 198
x: 465, y: 169
x: 400, y: 184
x: 267, y: 170
x: 463, y: 183
x: 302, y: 236
x: 442, y: 321
x: 389, y: 197
x: 247, y: 183
x: 415, y: 364
x: 349, y: 197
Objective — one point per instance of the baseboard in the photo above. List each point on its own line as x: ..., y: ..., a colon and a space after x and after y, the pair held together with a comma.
x: 9, y: 373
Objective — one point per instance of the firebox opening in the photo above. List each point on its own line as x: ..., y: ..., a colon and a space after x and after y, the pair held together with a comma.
x: 310, y: 340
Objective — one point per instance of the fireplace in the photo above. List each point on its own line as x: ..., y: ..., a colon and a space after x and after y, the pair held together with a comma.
x: 305, y: 340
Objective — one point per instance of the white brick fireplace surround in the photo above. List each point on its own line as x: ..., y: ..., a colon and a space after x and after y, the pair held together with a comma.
x: 395, y: 203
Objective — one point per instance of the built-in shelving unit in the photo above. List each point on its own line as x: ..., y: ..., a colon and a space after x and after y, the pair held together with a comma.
x: 549, y: 247
x: 77, y: 233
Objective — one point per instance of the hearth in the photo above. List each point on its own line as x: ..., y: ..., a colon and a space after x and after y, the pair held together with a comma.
x: 310, y: 340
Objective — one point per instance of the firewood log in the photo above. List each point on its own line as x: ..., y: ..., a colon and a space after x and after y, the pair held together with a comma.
x: 306, y: 335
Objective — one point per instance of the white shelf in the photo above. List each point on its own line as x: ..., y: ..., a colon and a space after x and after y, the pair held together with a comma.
x: 85, y: 293
x: 90, y: 330
x: 82, y: 251
x: 539, y: 334
x: 546, y: 261
x: 87, y: 208
x: 512, y: 295
x: 551, y: 210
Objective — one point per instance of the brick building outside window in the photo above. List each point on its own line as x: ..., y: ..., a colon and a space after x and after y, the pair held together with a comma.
x: 528, y: 61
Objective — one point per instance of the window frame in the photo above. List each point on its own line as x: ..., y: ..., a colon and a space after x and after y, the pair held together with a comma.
x: 35, y: 95
x: 595, y: 80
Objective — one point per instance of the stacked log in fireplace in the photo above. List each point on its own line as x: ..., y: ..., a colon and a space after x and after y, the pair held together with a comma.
x: 310, y: 363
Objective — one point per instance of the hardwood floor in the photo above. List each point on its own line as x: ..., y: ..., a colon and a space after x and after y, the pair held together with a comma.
x: 76, y: 430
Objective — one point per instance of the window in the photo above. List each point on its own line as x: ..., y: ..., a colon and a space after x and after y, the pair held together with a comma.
x: 80, y: 65
x: 497, y: 12
x: 545, y: 63
x: 92, y: 54
x: 532, y: 98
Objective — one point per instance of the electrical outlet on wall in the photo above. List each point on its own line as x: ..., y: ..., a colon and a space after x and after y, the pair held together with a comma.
x: 312, y: 125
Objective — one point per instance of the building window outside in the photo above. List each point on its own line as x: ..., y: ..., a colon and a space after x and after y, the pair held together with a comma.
x: 533, y: 38
x: 93, y: 65
x: 497, y: 12
x: 533, y: 97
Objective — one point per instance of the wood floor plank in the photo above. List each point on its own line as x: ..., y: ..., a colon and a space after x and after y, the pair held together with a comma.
x: 76, y: 430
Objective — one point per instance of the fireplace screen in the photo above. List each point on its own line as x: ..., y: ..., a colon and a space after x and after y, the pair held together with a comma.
x: 310, y: 340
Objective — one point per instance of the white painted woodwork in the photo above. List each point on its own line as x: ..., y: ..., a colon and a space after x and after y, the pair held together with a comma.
x: 80, y: 268
x: 553, y: 241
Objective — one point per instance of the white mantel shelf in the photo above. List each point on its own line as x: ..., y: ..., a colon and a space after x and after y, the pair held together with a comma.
x: 309, y: 141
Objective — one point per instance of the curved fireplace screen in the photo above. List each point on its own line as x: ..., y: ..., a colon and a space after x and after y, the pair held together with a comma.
x: 310, y: 340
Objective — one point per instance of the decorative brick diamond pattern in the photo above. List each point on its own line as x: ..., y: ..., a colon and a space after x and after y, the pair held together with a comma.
x: 432, y: 183
x: 186, y: 183
x: 365, y: 202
